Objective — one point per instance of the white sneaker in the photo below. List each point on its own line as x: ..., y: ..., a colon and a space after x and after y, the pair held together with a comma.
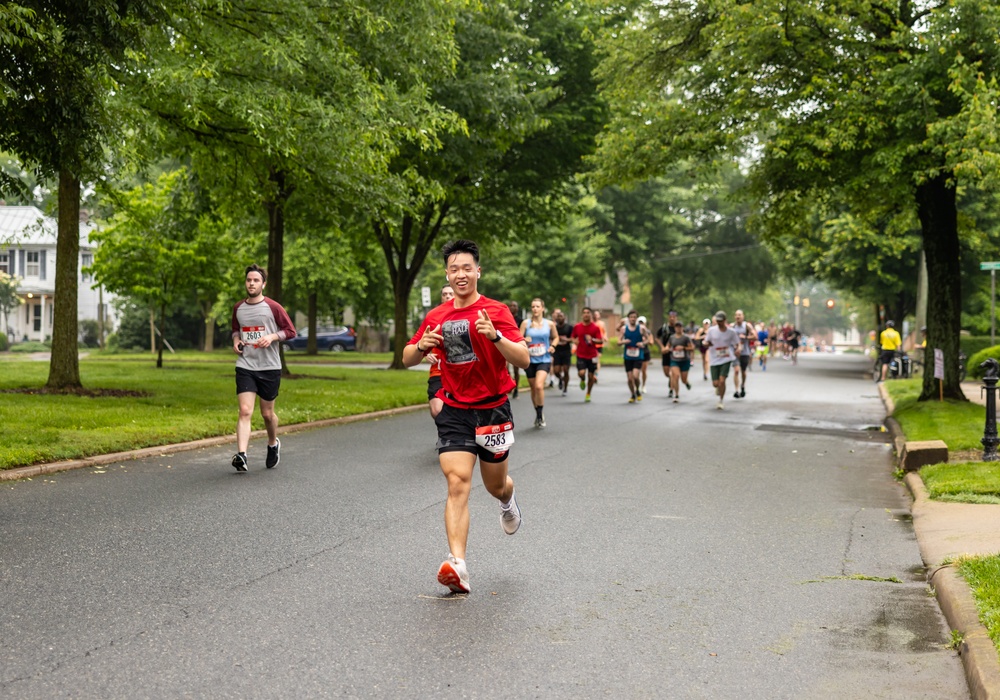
x: 541, y: 422
x: 719, y: 405
x: 510, y: 518
x: 454, y: 575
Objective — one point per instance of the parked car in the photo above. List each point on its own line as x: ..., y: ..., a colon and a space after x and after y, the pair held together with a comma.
x: 336, y: 339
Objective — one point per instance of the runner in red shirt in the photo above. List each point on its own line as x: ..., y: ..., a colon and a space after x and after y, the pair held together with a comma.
x: 477, y: 337
x: 434, y: 358
x: 587, y: 338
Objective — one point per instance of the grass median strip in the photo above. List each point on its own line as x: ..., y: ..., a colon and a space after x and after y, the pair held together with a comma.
x: 983, y: 576
x: 958, y: 423
x: 182, y: 401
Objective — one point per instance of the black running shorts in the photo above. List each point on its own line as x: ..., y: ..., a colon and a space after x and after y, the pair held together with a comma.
x: 536, y: 367
x: 588, y: 365
x: 457, y: 429
x: 264, y: 383
x: 433, y: 385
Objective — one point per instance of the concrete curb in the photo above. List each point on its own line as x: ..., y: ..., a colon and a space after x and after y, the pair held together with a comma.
x: 978, y: 654
x: 977, y: 651
x: 98, y: 460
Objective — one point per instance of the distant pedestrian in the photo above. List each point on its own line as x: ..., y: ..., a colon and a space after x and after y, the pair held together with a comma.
x: 259, y: 326
x: 434, y: 358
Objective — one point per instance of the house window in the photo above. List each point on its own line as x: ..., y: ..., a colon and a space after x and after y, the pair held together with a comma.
x: 5, y: 263
x: 32, y: 267
x: 86, y: 260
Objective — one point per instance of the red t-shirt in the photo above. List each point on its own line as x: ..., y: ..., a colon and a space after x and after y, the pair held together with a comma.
x: 585, y: 350
x: 473, y: 371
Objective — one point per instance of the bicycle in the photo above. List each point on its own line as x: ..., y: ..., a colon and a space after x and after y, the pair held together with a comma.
x: 900, y: 367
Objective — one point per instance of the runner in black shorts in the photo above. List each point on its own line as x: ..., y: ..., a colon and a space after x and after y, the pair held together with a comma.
x: 434, y: 402
x: 563, y: 354
x: 259, y: 325
x: 478, y: 337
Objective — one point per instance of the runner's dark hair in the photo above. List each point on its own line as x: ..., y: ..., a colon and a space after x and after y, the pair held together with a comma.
x: 256, y: 268
x: 462, y: 245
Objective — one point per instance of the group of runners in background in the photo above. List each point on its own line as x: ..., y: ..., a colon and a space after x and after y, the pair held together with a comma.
x: 474, y: 345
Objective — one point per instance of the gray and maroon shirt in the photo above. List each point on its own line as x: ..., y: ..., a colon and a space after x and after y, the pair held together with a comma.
x: 252, y: 322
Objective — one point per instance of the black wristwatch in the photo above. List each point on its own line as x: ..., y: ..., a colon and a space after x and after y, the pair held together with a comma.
x: 498, y: 338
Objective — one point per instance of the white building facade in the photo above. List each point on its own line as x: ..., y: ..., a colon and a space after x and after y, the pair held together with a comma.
x: 28, y: 252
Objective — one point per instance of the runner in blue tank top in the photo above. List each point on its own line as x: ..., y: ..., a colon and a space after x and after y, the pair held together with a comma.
x: 633, y: 340
x: 542, y: 338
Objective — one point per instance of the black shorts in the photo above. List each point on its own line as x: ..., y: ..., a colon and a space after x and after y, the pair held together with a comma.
x: 433, y: 385
x: 457, y: 429
x: 589, y: 365
x: 562, y: 356
x: 744, y: 362
x: 887, y: 356
x: 264, y: 383
x: 536, y: 367
x: 633, y: 365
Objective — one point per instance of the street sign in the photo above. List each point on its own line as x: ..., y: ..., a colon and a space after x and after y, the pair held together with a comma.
x: 989, y: 266
x: 425, y: 297
x: 938, y: 363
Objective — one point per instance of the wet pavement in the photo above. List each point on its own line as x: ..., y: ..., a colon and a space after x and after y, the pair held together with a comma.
x: 667, y: 551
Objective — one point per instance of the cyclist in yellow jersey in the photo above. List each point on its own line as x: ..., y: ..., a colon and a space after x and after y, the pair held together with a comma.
x: 890, y: 342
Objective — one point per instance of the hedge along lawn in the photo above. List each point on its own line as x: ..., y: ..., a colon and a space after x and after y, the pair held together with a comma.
x: 959, y: 423
x: 183, y: 401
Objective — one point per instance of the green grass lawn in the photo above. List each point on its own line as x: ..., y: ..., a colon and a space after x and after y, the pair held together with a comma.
x: 959, y: 423
x: 184, y: 400
x: 983, y: 576
x: 963, y: 482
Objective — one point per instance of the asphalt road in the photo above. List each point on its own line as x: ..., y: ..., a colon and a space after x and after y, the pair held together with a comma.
x: 667, y: 551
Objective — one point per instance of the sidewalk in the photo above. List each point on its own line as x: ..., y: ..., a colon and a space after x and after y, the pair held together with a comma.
x: 945, y: 531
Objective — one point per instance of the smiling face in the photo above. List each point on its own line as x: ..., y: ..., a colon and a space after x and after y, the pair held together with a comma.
x: 463, y: 273
x: 254, y: 284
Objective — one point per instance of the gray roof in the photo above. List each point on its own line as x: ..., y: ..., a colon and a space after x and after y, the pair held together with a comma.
x: 30, y: 226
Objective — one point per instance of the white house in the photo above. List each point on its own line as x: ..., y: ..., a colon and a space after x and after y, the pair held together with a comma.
x: 28, y: 252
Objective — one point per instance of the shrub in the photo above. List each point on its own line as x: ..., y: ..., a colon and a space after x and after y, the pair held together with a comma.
x: 972, y: 364
x: 971, y: 344
x: 90, y: 331
x: 29, y: 346
x: 4, y: 345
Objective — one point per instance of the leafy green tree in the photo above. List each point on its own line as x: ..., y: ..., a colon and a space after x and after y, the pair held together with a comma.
x: 158, y: 247
x: 9, y: 299
x: 877, y: 107
x: 59, y: 62
x: 686, y: 239
x: 525, y: 93
x: 565, y: 261
x: 273, y: 99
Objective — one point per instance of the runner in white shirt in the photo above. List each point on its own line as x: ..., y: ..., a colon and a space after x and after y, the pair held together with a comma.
x: 724, y: 343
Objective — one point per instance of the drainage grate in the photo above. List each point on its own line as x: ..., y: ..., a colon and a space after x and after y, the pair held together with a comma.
x: 866, y: 435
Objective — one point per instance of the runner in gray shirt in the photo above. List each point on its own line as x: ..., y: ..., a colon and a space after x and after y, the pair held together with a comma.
x: 259, y: 325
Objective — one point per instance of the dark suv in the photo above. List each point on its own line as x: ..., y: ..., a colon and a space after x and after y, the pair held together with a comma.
x: 336, y: 339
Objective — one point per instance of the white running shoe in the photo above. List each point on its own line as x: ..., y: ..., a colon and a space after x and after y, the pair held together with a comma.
x: 719, y: 405
x: 510, y: 518
x: 454, y: 575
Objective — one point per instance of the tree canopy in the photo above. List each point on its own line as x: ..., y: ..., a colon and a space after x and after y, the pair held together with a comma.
x: 872, y: 107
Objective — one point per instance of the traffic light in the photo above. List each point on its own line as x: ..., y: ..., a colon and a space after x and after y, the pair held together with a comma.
x: 830, y: 303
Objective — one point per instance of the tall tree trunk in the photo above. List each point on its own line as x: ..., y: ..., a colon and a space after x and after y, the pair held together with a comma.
x: 938, y: 212
x: 656, y: 313
x: 311, y: 347
x: 64, y: 364
x: 404, y: 265
x: 275, y: 205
